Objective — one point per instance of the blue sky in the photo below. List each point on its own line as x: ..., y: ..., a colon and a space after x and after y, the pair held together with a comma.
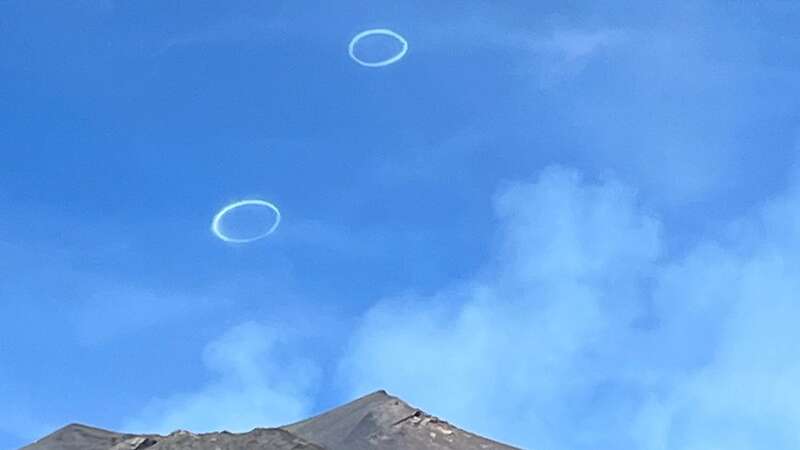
x: 566, y: 225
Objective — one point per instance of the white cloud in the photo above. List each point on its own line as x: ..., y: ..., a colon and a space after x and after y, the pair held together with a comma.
x: 549, y: 53
x: 502, y: 354
x: 259, y: 383
x: 575, y: 44
x: 565, y: 52
x: 580, y: 335
x: 739, y: 305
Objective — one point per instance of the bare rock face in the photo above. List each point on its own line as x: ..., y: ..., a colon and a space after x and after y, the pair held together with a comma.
x: 135, y: 443
x: 380, y: 421
x: 81, y: 437
x: 258, y: 439
x: 376, y: 421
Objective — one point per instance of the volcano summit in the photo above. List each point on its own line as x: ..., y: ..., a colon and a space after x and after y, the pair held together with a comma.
x: 376, y: 421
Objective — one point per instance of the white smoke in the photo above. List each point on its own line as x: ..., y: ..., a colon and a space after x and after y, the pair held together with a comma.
x: 583, y: 335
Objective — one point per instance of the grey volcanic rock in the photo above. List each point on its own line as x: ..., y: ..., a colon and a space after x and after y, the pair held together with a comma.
x: 81, y: 437
x: 258, y: 439
x: 377, y: 421
x: 380, y: 421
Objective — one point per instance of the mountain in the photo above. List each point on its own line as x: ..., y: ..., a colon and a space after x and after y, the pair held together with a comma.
x: 376, y: 421
x: 82, y: 437
x: 380, y: 421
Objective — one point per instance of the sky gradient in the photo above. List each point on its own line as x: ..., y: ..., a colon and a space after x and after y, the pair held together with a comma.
x: 564, y: 225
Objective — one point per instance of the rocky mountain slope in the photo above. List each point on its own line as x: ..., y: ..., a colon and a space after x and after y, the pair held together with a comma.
x: 376, y: 421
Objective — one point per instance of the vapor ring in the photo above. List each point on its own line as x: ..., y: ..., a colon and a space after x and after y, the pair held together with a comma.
x: 215, y: 223
x: 377, y: 32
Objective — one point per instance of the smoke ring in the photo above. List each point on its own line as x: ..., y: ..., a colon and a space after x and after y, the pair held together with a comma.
x: 215, y: 223
x: 377, y: 32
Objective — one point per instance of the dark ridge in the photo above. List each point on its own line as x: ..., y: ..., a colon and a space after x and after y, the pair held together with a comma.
x: 80, y: 437
x: 381, y: 421
x: 375, y: 421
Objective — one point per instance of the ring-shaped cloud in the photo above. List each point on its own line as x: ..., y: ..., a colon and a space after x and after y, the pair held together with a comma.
x: 377, y: 32
x: 215, y: 223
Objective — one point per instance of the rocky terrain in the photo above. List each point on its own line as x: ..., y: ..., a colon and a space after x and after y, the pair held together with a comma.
x: 376, y: 421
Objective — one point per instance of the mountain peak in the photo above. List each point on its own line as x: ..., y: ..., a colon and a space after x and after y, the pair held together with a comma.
x: 76, y: 436
x: 382, y: 421
x: 374, y: 421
